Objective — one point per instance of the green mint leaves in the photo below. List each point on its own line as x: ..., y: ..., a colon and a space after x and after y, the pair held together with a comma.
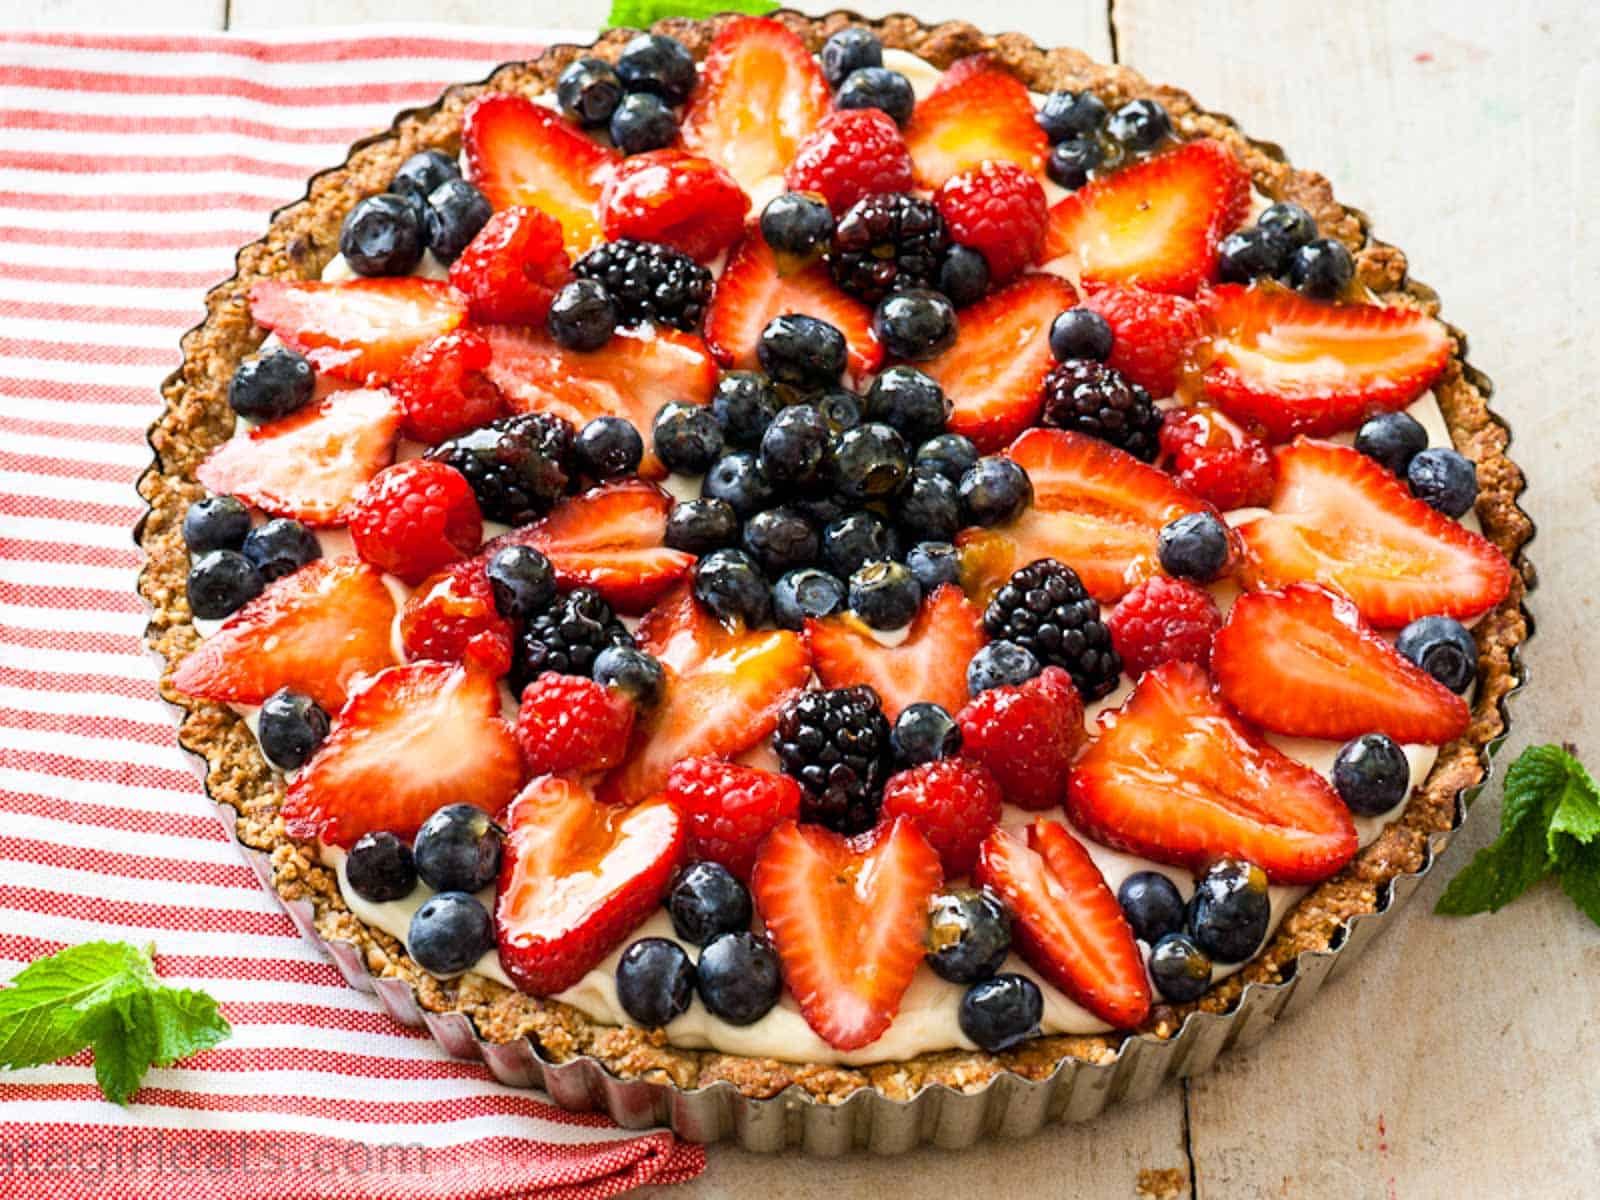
x: 104, y: 995
x: 641, y: 14
x: 1549, y: 825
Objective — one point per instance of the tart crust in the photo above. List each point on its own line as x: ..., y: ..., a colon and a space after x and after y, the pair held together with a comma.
x: 303, y: 237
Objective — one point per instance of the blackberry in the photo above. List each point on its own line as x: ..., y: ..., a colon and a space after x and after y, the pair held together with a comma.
x: 566, y: 637
x: 518, y: 466
x: 650, y: 282
x: 1044, y: 609
x: 1090, y: 397
x: 836, y: 744
x: 886, y: 242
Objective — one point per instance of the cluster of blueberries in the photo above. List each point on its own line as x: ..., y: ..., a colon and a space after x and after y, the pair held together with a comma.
x: 1283, y: 244
x: 633, y: 99
x: 1439, y: 476
x: 1223, y: 922
x: 1085, y: 136
x: 428, y: 207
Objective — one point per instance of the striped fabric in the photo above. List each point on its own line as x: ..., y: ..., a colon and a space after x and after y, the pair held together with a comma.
x: 131, y: 169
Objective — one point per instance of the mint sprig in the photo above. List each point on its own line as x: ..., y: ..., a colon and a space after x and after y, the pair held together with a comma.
x: 641, y: 14
x: 104, y: 995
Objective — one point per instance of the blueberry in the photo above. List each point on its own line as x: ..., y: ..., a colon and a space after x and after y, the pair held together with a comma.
x: 840, y: 408
x: 1252, y: 253
x: 379, y: 868
x: 1371, y: 774
x: 1071, y: 114
x: 1071, y: 161
x: 1179, y: 968
x: 381, y: 235
x: 870, y: 462
x: 632, y: 672
x: 1081, y: 333
x: 1322, y: 268
x: 1140, y: 125
x: 929, y: 510
x: 271, y: 385
x: 643, y: 122
x: 922, y: 733
x: 655, y: 981
x: 739, y: 977
x: 1443, y: 647
x: 221, y: 582
x: 686, y: 437
x: 1000, y: 664
x: 806, y: 592
x: 707, y: 901
x: 657, y: 64
x: 1152, y: 904
x: 522, y: 580
x: 456, y: 211
x: 798, y: 223
x: 608, y: 448
x: 849, y: 50
x: 582, y: 316
x: 969, y: 933
x: 950, y: 454
x: 280, y: 547
x: 998, y: 1013
x: 458, y: 849
x: 994, y: 491
x: 421, y: 175
x: 915, y: 324
x: 880, y: 88
x: 1293, y: 223
x: 794, y: 448
x: 289, y: 729
x: 744, y: 404
x: 934, y: 564
x: 781, y: 539
x: 856, y: 539
x: 1229, y: 910
x: 1392, y: 439
x: 823, y: 507
x: 803, y: 351
x: 910, y: 402
x: 449, y: 933
x: 1444, y: 479
x: 963, y: 275
x: 588, y: 91
x: 740, y: 480
x: 885, y: 595
x: 701, y: 526
x: 215, y: 523
x: 730, y: 584
x: 1193, y: 546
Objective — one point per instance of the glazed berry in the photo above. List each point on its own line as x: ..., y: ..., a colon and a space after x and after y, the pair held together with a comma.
x: 518, y: 466
x: 522, y: 580
x: 649, y: 282
x: 1044, y: 609
x: 880, y: 88
x: 655, y: 981
x: 1152, y: 904
x: 739, y: 480
x: 1179, y: 968
x: 643, y: 122
x: 1229, y: 910
x: 840, y: 408
x: 1194, y: 546
x: 588, y: 91
x: 934, y: 563
x: 569, y: 724
x: 1071, y: 161
x: 1444, y: 479
x: 701, y: 526
x: 1321, y: 268
x: 963, y: 275
x: 823, y: 507
x: 969, y: 934
x: 744, y: 404
x: 706, y: 902
x: 215, y: 523
x: 379, y: 868
x: 1392, y: 439
x: 955, y: 803
x: 582, y: 316
x: 657, y: 64
x: 1248, y: 254
x: 1081, y: 333
x: 456, y: 211
x: 994, y: 491
x: 280, y: 547
x: 929, y: 510
x: 806, y: 593
x: 1163, y: 620
x: 633, y: 673
x: 686, y: 437
x: 1000, y: 664
x: 729, y: 809
x: 835, y: 744
x: 290, y: 728
x: 1093, y: 398
x: 730, y: 584
x: 1218, y: 460
x: 949, y: 454
x: 910, y: 402
x: 856, y: 539
x: 803, y: 351
x: 607, y: 448
x: 457, y: 849
x: 271, y: 385
x: 996, y: 1014
x: 1071, y: 114
x: 794, y: 447
x: 885, y: 241
x: 1000, y: 210
x: 1371, y: 775
x: 449, y: 933
x: 849, y: 50
x: 852, y: 154
x: 1027, y: 734
x: 738, y: 978
x: 797, y: 223
x: 870, y: 462
x: 1443, y: 647
x: 566, y: 637
x: 885, y: 594
x: 924, y: 732
x: 381, y: 235
x: 422, y: 174
x: 221, y: 582
x: 781, y: 539
x: 1140, y: 125
x: 1291, y: 222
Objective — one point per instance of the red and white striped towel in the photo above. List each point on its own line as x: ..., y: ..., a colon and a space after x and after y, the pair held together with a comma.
x: 131, y: 168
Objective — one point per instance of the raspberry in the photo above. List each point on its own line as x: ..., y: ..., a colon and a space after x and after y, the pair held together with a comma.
x: 851, y: 154
x: 1164, y: 620
x: 441, y: 390
x: 451, y: 617
x: 730, y: 809
x: 999, y: 210
x: 415, y: 517
x: 954, y: 801
x: 567, y: 724
x: 1154, y: 334
x: 513, y: 268
x: 678, y: 199
x: 1217, y: 460
x: 1027, y: 736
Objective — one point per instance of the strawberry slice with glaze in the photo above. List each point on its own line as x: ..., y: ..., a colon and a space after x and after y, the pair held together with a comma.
x: 360, y: 330
x: 994, y: 374
x: 1300, y: 661
x: 408, y: 741
x: 847, y: 917
x: 760, y: 93
x: 930, y: 664
x: 1291, y: 365
x: 977, y: 111
x: 316, y: 631
x: 576, y: 878
x: 1175, y: 776
x: 1069, y: 926
x: 1340, y: 519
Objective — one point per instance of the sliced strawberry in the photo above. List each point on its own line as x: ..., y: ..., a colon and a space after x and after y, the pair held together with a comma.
x: 1301, y: 661
x: 408, y: 741
x: 576, y: 878
x: 724, y: 690
x: 1154, y: 223
x: 1068, y: 925
x: 1175, y: 776
x: 847, y: 917
x: 521, y: 153
x: 608, y: 538
x: 315, y: 631
x: 994, y: 374
x: 632, y: 376
x: 1292, y: 365
x: 360, y: 330
x: 978, y: 111
x: 1339, y: 518
x: 677, y: 199
x: 752, y: 291
x: 931, y: 664
x: 311, y: 464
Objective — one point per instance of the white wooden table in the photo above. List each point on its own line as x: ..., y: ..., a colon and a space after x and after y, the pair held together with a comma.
x: 1462, y: 1057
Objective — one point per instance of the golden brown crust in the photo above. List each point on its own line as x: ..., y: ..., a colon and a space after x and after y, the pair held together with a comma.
x: 303, y: 238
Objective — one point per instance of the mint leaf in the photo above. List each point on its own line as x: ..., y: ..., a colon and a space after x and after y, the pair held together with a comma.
x: 1534, y: 784
x: 641, y: 14
x: 1499, y: 873
x: 1580, y: 879
x: 124, y: 1039
x: 185, y: 1022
